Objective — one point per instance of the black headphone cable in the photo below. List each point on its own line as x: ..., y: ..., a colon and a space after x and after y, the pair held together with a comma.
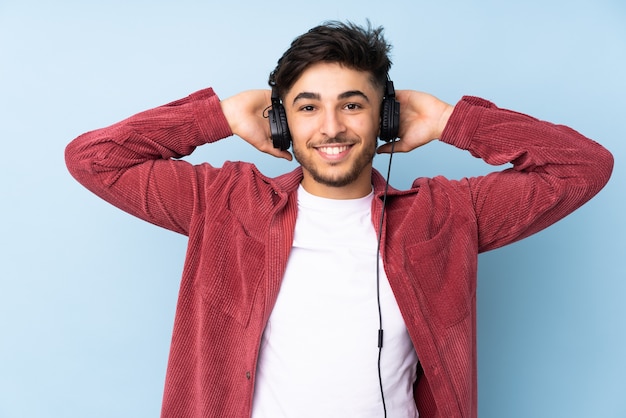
x: 380, y: 313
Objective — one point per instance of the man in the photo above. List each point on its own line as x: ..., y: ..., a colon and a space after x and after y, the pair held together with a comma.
x: 289, y: 282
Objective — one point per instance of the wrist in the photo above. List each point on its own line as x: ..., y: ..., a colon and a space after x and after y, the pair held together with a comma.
x: 444, y: 118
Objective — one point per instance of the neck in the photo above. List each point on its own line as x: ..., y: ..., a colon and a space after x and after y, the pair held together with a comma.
x: 361, y: 187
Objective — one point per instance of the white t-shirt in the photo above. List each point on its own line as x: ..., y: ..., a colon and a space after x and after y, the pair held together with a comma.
x: 319, y: 351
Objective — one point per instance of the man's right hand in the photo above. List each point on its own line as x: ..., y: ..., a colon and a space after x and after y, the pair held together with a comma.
x: 245, y: 115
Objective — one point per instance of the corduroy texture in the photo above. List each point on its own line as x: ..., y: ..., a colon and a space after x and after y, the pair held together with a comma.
x: 240, y: 226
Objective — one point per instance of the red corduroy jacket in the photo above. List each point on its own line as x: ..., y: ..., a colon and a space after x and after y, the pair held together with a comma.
x: 240, y: 226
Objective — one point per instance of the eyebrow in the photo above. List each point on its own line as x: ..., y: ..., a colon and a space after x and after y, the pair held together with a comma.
x: 316, y: 96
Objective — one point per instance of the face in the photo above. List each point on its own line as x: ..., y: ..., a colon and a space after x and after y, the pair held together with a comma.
x: 334, y: 117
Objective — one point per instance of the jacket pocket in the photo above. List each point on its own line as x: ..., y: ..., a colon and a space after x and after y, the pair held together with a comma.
x: 444, y: 271
x: 234, y: 266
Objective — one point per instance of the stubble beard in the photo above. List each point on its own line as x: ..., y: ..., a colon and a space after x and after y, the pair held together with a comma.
x: 365, y: 158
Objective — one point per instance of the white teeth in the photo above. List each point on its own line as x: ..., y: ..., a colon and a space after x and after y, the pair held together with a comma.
x: 333, y: 150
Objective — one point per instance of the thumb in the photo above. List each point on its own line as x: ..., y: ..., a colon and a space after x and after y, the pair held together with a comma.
x: 393, y: 146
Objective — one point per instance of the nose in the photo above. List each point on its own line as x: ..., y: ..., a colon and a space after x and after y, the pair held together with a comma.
x: 332, y: 124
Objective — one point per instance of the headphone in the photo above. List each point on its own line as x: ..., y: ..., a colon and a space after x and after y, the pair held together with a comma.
x: 389, y: 118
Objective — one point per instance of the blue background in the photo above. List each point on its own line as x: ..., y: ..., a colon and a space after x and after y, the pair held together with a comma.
x: 87, y: 293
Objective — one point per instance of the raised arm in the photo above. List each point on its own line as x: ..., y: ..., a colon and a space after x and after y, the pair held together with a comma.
x: 134, y: 164
x: 555, y: 169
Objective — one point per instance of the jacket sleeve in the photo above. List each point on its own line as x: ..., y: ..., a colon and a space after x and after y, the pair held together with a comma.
x: 134, y: 164
x: 555, y: 170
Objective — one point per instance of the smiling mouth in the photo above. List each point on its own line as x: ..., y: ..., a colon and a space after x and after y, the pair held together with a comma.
x: 333, y: 150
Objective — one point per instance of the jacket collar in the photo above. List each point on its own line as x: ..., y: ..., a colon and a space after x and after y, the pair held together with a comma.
x: 289, y: 183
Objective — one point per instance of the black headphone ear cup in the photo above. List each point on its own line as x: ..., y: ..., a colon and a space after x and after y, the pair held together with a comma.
x: 389, y: 119
x: 279, y: 129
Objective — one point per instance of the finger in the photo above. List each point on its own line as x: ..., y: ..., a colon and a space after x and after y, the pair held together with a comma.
x: 286, y: 155
x: 396, y: 146
x: 388, y: 148
x: 281, y: 154
x: 269, y: 148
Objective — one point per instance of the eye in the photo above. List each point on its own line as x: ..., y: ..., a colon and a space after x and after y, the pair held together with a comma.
x: 307, y: 108
x: 353, y: 106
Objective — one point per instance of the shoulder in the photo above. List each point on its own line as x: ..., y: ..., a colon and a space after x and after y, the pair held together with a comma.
x: 247, y: 178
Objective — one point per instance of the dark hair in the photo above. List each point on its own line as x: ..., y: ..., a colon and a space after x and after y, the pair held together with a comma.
x: 355, y: 47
